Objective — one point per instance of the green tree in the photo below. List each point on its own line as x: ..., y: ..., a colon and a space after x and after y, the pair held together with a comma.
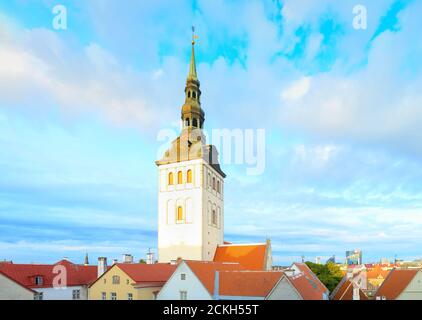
x: 142, y: 261
x: 329, y: 274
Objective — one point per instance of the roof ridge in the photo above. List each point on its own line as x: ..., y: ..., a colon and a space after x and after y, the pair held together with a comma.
x: 242, y: 244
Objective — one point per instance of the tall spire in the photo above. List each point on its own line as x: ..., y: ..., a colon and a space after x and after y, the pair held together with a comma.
x: 192, y: 68
x: 192, y: 114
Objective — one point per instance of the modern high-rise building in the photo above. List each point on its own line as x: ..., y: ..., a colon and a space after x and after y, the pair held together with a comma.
x: 354, y: 257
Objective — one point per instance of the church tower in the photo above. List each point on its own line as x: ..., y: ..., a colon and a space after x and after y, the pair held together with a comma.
x: 191, y: 186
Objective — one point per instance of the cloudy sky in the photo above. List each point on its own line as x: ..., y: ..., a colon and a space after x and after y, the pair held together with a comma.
x: 81, y: 110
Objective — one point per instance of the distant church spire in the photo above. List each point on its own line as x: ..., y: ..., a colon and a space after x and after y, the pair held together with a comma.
x: 86, y: 262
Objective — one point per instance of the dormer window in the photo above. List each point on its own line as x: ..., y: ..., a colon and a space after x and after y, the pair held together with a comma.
x: 38, y: 280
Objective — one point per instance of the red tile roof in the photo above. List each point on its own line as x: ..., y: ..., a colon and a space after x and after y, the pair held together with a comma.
x: 247, y: 283
x: 251, y: 256
x: 205, y: 271
x: 312, y: 278
x: 344, y: 291
x: 25, y: 274
x: 307, y: 287
x: 146, y: 273
x: 396, y: 281
x: 377, y: 273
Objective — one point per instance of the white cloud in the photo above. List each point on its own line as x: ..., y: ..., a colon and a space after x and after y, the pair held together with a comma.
x: 297, y: 89
x: 377, y: 104
x: 38, y: 70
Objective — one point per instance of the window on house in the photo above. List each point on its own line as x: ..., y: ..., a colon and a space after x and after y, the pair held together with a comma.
x: 213, y: 183
x: 105, y: 280
x: 76, y: 294
x: 209, y: 180
x: 38, y: 281
x: 183, y: 295
x: 189, y: 176
x: 179, y: 213
x: 171, y: 180
x: 103, y: 296
x: 113, y: 296
x: 116, y: 280
x: 214, y: 217
x: 218, y: 186
x: 183, y: 276
x: 180, y: 177
x: 127, y: 281
x: 130, y: 296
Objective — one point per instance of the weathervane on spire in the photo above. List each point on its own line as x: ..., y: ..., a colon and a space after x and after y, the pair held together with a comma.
x: 193, y: 35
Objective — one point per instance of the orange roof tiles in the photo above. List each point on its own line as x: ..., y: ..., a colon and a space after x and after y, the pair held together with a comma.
x: 141, y: 272
x: 377, y: 273
x: 307, y: 287
x: 247, y: 283
x: 303, y: 267
x: 251, y: 256
x: 205, y: 271
x: 25, y: 274
x: 344, y: 291
x: 395, y: 283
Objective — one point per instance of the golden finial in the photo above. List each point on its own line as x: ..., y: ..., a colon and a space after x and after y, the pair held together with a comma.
x: 194, y: 36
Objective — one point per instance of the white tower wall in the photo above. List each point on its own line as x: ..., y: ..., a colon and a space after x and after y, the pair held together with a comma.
x: 196, y: 236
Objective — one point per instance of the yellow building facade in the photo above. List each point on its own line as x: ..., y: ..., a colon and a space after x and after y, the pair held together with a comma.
x: 130, y: 282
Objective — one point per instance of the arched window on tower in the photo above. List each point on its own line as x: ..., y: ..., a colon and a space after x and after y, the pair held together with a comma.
x: 179, y: 214
x: 180, y: 177
x: 171, y: 181
x: 195, y: 122
x: 218, y: 186
x: 194, y: 95
x: 214, y: 217
x: 189, y: 176
x: 213, y: 183
x: 187, y: 122
x: 188, y: 94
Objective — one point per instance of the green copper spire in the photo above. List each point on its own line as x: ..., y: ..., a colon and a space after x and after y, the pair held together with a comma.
x: 192, y: 68
x: 192, y: 114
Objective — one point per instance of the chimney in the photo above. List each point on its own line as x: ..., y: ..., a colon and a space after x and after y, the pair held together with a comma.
x: 127, y: 258
x: 356, y: 295
x: 150, y: 257
x: 102, y: 266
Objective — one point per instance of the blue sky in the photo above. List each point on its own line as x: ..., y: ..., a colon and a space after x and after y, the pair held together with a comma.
x: 80, y: 110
